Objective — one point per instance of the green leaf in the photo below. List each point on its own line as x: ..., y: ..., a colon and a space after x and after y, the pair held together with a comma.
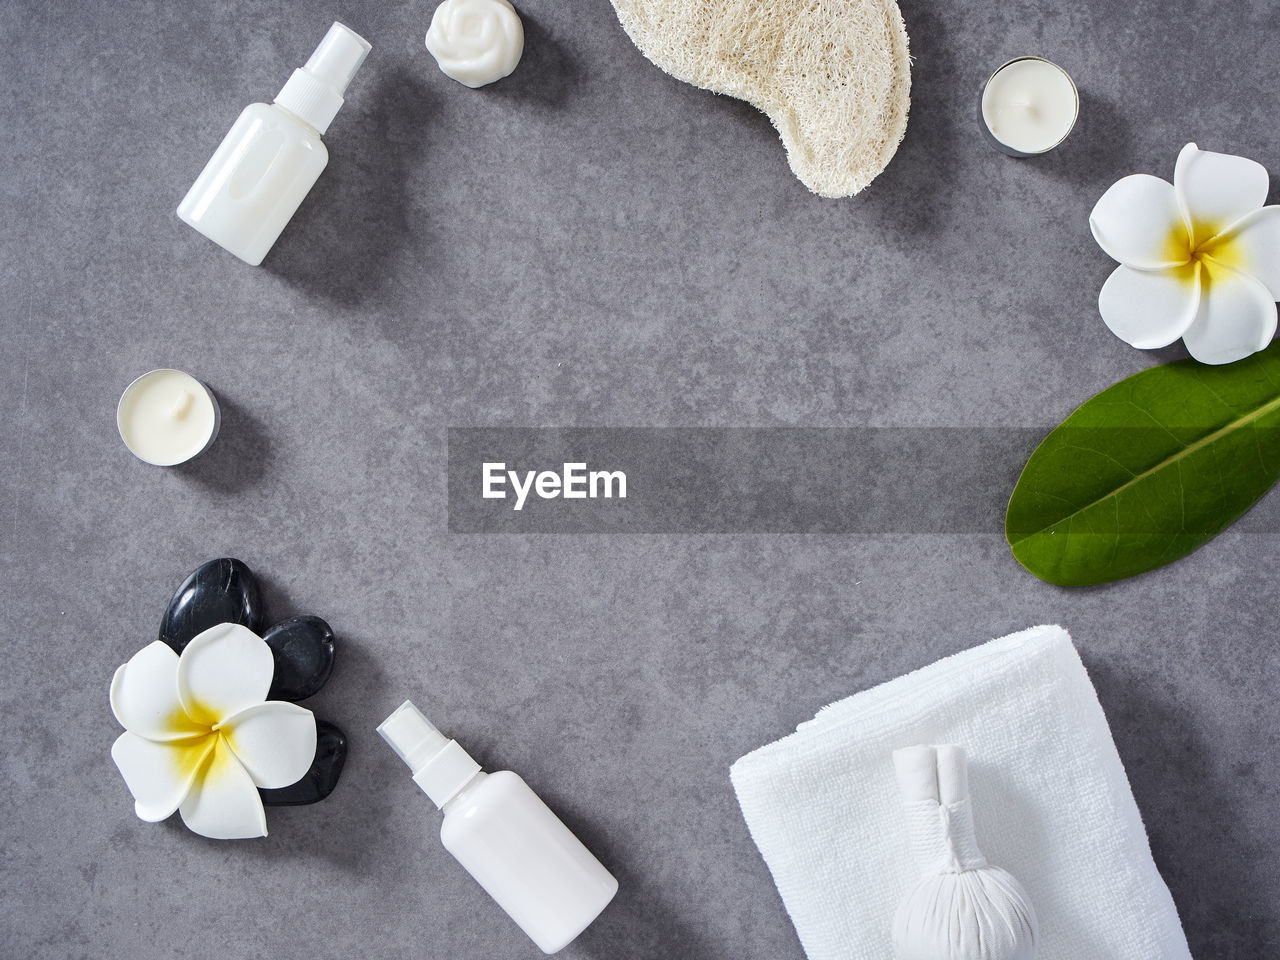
x: 1148, y: 470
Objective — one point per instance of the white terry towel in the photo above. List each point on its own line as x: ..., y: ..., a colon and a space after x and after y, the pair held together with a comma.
x: 1051, y: 801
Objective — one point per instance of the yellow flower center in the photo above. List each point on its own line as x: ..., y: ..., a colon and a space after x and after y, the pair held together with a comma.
x: 195, y: 755
x: 1218, y: 250
x: 189, y: 755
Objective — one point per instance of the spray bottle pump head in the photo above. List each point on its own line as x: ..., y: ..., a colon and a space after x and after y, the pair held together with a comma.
x: 440, y: 766
x: 314, y: 92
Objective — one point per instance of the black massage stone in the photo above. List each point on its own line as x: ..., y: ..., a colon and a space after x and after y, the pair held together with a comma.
x: 220, y: 591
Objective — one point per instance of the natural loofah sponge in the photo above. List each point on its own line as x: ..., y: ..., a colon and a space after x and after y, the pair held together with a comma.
x: 834, y: 76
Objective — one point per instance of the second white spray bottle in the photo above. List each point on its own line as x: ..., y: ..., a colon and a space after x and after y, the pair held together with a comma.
x: 505, y: 836
x: 273, y: 154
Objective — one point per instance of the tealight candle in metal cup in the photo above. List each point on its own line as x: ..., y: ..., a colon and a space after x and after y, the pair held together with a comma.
x: 1028, y: 106
x: 166, y: 417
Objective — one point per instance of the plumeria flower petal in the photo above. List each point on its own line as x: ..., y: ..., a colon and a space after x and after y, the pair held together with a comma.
x: 1217, y: 189
x: 224, y: 803
x: 1138, y: 222
x: 1150, y: 309
x: 274, y: 741
x: 144, y: 696
x: 158, y: 774
x: 222, y: 671
x: 1204, y: 266
x: 1252, y: 246
x: 1237, y: 317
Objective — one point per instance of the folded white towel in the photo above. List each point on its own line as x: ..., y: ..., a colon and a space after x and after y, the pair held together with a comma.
x: 1051, y: 800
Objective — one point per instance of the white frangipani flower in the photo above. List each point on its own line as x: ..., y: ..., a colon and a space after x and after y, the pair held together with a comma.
x: 1199, y: 258
x: 201, y: 737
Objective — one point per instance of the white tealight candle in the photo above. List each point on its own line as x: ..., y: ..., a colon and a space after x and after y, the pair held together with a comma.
x: 1029, y: 106
x: 166, y: 417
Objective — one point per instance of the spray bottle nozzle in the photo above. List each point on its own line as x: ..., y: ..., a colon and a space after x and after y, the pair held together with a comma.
x: 440, y: 766
x: 314, y: 92
x: 338, y: 57
x: 412, y: 736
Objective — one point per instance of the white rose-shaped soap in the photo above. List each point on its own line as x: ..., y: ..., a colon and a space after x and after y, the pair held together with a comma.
x: 476, y: 41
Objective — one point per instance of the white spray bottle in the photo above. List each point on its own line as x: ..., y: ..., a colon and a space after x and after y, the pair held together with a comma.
x: 273, y: 154
x: 505, y: 836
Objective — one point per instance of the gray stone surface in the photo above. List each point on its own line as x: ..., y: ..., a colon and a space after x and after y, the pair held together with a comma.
x: 587, y: 243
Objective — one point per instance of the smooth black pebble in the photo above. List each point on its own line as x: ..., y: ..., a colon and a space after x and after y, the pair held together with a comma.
x: 303, y: 650
x: 220, y: 591
x: 319, y: 781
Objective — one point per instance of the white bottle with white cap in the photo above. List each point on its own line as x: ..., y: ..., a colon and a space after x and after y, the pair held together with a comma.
x: 273, y: 154
x: 506, y: 837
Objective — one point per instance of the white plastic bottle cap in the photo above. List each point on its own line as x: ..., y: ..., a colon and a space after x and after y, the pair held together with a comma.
x: 440, y: 766
x: 314, y: 92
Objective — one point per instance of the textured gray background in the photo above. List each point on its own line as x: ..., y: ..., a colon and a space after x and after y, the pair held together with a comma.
x: 587, y: 243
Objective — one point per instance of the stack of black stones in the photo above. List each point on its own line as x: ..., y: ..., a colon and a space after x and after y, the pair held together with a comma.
x: 226, y: 591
